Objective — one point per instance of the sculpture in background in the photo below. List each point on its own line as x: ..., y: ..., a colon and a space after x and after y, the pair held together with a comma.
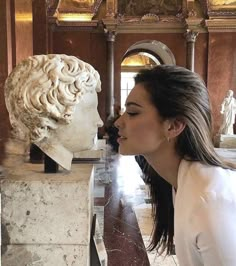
x: 52, y: 102
x: 228, y: 109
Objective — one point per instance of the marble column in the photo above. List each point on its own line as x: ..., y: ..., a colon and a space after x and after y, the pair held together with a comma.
x: 190, y: 36
x: 40, y: 27
x: 7, y: 60
x: 110, y: 74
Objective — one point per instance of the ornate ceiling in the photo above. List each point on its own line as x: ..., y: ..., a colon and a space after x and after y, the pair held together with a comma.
x: 130, y: 15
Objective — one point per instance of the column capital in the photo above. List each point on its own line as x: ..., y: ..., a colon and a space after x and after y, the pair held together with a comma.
x: 111, y: 35
x: 191, y: 35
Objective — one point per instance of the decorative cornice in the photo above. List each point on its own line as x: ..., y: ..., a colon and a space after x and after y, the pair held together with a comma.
x: 56, y: 25
x: 140, y: 24
x: 82, y: 24
x: 220, y: 24
x: 150, y: 18
x: 222, y: 14
x: 75, y: 26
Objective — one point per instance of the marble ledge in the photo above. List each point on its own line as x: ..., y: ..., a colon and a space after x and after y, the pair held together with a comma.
x: 35, y: 172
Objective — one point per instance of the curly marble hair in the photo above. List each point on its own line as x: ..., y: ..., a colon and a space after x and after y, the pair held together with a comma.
x: 42, y: 91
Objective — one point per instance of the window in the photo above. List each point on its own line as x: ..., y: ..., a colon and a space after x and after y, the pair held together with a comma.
x: 127, y: 84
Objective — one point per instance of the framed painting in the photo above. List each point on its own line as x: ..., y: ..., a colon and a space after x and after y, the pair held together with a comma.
x: 218, y: 5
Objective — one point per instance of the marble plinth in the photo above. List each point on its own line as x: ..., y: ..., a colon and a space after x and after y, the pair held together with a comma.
x: 227, y: 154
x: 226, y: 141
x: 96, y: 153
x: 44, y: 255
x: 46, y: 218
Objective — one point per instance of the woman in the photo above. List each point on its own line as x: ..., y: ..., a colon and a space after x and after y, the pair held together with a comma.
x: 168, y: 121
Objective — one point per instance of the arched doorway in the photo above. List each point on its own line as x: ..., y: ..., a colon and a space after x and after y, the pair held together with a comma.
x: 143, y: 54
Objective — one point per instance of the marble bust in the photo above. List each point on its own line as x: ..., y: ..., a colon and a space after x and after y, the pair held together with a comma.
x: 52, y: 102
x: 228, y: 110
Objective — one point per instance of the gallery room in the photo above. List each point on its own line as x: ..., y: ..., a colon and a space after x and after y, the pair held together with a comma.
x: 117, y: 132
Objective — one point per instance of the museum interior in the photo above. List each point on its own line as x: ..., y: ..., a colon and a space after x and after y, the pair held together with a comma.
x: 118, y: 38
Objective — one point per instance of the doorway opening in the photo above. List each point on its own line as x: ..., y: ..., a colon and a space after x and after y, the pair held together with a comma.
x: 141, y: 55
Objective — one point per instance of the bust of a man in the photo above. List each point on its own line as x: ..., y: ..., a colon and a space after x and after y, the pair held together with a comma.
x: 52, y: 102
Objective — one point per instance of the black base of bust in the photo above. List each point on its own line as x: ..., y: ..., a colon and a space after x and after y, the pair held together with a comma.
x: 50, y: 166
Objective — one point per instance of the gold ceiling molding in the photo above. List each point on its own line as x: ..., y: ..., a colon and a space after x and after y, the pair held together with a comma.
x: 218, y: 9
x: 76, y: 10
x: 224, y: 3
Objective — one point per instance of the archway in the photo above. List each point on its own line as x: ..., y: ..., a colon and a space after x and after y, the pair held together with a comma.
x: 142, y: 54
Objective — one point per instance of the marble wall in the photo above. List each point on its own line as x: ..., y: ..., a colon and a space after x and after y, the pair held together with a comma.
x: 221, y: 70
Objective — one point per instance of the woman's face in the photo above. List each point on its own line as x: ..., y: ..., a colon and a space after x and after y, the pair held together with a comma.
x: 141, y: 129
x: 79, y: 135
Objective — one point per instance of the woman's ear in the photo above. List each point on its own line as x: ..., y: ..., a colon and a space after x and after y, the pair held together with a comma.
x: 174, y: 127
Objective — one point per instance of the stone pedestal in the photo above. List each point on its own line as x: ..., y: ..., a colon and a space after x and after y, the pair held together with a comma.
x: 226, y: 141
x: 227, y: 154
x: 96, y: 153
x: 46, y: 218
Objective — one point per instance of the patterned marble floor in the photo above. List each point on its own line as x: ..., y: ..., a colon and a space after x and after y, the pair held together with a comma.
x: 120, y: 179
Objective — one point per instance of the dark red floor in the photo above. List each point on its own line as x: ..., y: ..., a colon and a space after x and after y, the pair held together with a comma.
x: 122, y: 237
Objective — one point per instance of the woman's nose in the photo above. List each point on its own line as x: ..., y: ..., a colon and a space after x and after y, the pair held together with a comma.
x: 117, y: 122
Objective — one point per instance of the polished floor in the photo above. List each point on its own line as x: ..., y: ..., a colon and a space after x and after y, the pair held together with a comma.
x: 124, y: 213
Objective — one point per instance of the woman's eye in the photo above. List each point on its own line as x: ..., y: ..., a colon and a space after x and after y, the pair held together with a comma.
x: 131, y: 113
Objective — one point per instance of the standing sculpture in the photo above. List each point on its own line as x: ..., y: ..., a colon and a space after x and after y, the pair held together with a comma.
x: 228, y: 109
x: 52, y: 101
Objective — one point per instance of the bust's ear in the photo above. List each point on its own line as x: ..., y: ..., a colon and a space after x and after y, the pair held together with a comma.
x: 174, y: 127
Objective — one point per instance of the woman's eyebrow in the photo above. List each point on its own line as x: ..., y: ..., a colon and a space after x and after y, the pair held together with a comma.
x: 132, y: 103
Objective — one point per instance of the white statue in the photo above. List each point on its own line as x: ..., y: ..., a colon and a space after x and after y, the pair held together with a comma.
x: 52, y: 101
x: 228, y: 109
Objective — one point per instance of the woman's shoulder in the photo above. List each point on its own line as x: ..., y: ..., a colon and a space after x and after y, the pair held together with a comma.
x: 207, y: 180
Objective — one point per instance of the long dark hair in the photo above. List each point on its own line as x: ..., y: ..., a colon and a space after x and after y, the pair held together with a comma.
x: 161, y: 195
x: 177, y: 92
